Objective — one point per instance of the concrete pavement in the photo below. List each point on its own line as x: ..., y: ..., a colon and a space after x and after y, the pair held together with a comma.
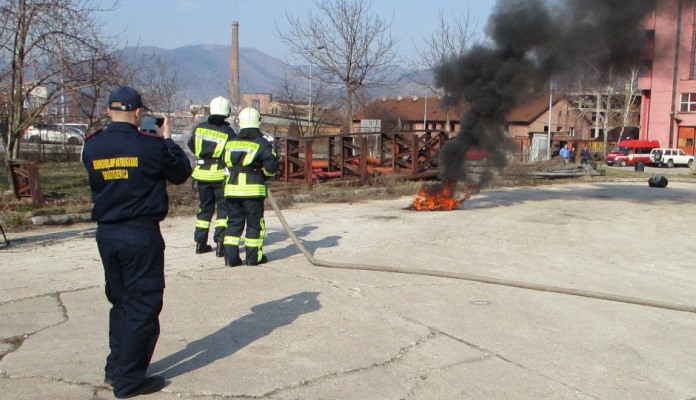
x: 291, y: 330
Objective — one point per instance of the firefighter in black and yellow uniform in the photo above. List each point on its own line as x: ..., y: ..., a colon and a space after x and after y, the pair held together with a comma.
x: 250, y: 160
x: 207, y: 143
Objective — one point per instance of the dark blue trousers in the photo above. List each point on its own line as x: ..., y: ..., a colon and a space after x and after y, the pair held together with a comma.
x: 133, y: 259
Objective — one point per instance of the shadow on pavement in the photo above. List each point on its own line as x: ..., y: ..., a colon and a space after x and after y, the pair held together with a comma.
x: 263, y: 320
x: 291, y: 249
x: 49, y: 237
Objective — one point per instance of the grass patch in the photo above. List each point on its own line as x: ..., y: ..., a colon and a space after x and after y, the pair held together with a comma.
x: 66, y: 190
x: 65, y: 187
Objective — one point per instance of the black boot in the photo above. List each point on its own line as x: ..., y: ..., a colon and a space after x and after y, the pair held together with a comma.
x: 220, y: 249
x: 263, y: 260
x: 233, y: 263
x: 203, y: 248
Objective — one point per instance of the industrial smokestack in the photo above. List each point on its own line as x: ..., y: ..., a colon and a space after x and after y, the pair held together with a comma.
x: 532, y: 41
x: 234, y: 65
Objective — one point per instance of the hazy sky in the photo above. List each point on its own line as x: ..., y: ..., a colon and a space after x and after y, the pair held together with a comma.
x: 174, y: 23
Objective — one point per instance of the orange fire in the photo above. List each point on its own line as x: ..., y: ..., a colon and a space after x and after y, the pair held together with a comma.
x: 441, y: 196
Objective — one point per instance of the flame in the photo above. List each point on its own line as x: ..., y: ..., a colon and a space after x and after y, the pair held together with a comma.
x: 441, y: 196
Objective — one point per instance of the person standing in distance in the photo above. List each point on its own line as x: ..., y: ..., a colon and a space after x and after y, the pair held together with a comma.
x: 565, y: 153
x: 207, y: 143
x: 250, y: 160
x: 128, y: 173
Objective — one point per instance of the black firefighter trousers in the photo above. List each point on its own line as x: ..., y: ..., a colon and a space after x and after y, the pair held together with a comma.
x: 210, y: 195
x: 241, y: 211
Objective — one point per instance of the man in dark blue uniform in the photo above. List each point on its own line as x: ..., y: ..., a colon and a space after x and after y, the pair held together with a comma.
x: 128, y: 173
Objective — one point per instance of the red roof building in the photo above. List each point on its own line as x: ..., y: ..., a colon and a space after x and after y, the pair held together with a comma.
x: 407, y: 113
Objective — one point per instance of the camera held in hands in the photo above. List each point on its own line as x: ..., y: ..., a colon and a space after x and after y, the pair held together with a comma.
x: 150, y: 123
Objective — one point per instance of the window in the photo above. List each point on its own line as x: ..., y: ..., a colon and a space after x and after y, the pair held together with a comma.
x: 688, y: 102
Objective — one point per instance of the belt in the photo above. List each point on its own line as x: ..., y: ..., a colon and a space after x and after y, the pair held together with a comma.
x: 147, y: 223
x: 246, y: 169
x: 209, y: 161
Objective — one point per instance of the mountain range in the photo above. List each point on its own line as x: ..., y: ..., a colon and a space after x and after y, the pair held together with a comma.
x: 204, y: 72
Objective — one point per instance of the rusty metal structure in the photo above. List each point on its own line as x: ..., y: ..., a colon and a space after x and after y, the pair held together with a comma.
x: 26, y: 182
x: 361, y: 156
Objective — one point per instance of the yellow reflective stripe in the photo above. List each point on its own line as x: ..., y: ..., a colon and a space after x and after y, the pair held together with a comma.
x: 198, y: 146
x: 221, y: 223
x: 202, y: 224
x: 245, y: 191
x: 248, y: 242
x: 211, y: 135
x: 231, y: 240
x: 239, y: 146
x: 263, y: 228
x: 213, y: 174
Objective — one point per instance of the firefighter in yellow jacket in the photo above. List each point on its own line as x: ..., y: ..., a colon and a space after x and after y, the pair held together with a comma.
x: 250, y: 160
x: 207, y: 143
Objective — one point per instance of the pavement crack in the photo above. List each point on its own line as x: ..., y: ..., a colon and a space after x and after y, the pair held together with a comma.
x: 399, y: 355
x: 13, y: 343
x: 38, y: 296
x: 489, y: 353
x: 10, y: 345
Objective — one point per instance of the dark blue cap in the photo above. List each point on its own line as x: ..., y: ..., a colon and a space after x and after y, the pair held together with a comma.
x: 128, y: 97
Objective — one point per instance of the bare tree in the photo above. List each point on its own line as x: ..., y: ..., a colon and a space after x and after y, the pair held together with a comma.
x: 161, y: 82
x: 609, y: 103
x: 348, y: 43
x: 292, y: 95
x: 51, y: 45
x: 451, y: 39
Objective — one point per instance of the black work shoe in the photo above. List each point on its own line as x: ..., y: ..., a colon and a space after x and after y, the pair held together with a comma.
x: 203, y: 248
x: 149, y: 385
x: 233, y: 263
x: 220, y: 251
x: 263, y: 260
x: 109, y: 381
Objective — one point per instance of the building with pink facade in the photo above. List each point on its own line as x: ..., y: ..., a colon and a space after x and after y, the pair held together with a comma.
x: 668, y: 81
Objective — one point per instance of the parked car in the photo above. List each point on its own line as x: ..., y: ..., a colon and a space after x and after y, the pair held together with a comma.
x: 670, y: 157
x: 47, y: 133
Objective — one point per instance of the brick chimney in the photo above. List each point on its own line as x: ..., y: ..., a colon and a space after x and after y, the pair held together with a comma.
x: 234, y: 65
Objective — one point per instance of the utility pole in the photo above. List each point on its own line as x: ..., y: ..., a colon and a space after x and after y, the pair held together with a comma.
x: 311, y: 94
x: 548, y: 134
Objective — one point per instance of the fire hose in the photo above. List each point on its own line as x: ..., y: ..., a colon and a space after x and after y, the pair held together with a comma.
x: 474, y: 278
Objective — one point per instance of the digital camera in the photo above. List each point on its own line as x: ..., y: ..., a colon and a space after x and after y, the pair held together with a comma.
x: 147, y: 124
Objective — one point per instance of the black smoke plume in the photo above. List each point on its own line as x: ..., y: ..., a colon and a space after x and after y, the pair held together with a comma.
x: 530, y: 42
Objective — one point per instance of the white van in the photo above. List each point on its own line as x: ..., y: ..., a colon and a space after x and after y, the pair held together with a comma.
x: 670, y: 157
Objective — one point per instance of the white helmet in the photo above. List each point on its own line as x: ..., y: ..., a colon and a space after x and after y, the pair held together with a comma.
x: 220, y: 106
x: 249, y: 118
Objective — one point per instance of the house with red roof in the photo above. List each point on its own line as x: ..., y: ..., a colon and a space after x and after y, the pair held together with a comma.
x: 527, y: 124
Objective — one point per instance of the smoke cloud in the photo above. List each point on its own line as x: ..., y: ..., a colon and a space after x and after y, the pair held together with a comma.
x: 530, y: 42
